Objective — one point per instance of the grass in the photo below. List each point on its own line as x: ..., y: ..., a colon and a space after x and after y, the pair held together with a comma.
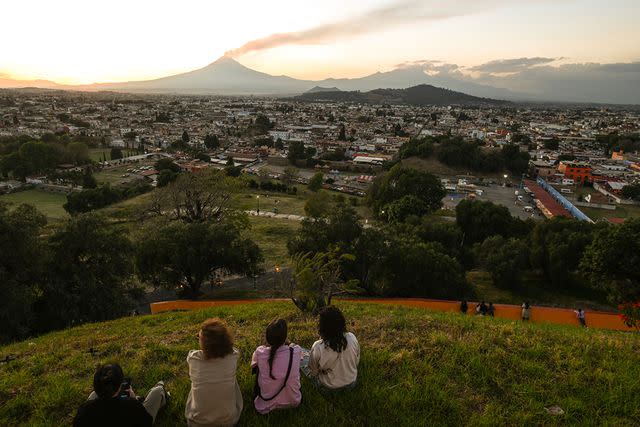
x: 271, y: 235
x: 622, y: 211
x: 50, y: 204
x: 533, y: 290
x: 417, y: 368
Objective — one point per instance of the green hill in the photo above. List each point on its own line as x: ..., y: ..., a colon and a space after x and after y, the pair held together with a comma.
x: 417, y: 368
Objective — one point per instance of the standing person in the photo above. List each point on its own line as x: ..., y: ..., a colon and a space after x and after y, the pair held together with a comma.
x: 114, y: 403
x: 580, y: 314
x: 333, y: 360
x: 526, y: 311
x: 277, y: 367
x: 464, y: 307
x: 491, y: 310
x: 214, y: 398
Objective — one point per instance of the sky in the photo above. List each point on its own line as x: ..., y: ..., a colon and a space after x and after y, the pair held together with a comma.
x: 86, y: 41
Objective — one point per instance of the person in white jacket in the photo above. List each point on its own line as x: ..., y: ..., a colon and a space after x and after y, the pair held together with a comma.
x: 215, y: 399
x: 332, y: 362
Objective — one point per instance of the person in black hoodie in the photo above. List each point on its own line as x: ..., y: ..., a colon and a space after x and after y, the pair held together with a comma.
x: 114, y: 403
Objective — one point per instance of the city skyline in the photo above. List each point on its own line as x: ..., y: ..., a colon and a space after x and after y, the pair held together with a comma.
x: 72, y: 42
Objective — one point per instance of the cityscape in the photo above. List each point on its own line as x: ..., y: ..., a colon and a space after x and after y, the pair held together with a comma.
x: 320, y: 226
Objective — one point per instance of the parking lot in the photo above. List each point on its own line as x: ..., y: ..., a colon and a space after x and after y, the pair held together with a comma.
x: 499, y: 195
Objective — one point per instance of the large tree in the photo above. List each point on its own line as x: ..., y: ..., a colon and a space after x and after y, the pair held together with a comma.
x: 612, y: 261
x: 479, y: 220
x: 196, y: 197
x: 400, y: 182
x: 89, y: 274
x: 184, y: 256
x: 21, y: 268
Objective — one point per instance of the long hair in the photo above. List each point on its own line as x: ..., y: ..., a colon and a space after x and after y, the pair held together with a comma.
x: 332, y: 328
x: 215, y: 339
x: 276, y: 337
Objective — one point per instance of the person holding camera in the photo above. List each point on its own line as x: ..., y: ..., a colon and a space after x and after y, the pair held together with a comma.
x: 113, y: 401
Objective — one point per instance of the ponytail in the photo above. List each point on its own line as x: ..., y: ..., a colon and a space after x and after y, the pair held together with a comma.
x: 276, y: 337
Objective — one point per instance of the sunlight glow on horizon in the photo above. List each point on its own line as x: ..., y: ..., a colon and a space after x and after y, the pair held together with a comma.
x: 83, y: 42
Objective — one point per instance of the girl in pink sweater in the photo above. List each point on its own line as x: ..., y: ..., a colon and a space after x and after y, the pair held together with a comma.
x: 278, y: 371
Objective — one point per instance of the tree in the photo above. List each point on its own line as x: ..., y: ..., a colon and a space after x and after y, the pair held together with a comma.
x: 504, y: 258
x: 88, y: 180
x: 211, y: 141
x: 556, y: 248
x: 552, y: 144
x: 342, y: 135
x: 289, y: 175
x: 317, y: 205
x: 165, y: 177
x: 187, y: 255
x: 167, y: 164
x: 400, y: 182
x: 296, y: 151
x: 78, y: 153
x: 631, y: 191
x: 196, y: 197
x: 316, y: 181
x: 399, y: 210
x: 115, y: 153
x: 479, y: 220
x: 317, y: 279
x: 611, y: 261
x: 21, y: 268
x: 279, y: 145
x: 515, y: 161
x: 89, y: 274
x: 185, y: 137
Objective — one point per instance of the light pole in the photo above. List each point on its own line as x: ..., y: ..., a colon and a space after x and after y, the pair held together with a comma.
x: 505, y: 180
x: 258, y: 211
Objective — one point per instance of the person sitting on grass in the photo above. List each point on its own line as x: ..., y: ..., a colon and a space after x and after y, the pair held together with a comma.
x: 114, y: 403
x: 214, y: 398
x: 277, y: 369
x: 333, y: 360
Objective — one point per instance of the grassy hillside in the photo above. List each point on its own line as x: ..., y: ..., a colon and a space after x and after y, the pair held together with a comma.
x: 417, y: 368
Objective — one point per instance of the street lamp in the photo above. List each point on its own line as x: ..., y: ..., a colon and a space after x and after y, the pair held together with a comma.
x: 505, y: 179
x: 258, y: 197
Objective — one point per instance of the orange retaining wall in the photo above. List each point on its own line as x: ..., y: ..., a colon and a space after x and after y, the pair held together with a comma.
x: 562, y: 316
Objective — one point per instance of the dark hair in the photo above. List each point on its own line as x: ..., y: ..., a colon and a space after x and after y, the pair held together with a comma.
x: 215, y: 338
x: 276, y: 336
x: 332, y: 327
x: 107, y: 380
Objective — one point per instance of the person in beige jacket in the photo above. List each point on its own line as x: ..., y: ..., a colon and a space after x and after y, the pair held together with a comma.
x: 214, y: 399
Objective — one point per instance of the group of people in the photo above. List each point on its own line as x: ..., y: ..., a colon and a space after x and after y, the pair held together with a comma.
x: 215, y: 398
x: 484, y: 310
x: 481, y: 309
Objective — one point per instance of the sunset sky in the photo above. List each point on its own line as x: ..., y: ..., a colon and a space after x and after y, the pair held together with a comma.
x: 85, y: 41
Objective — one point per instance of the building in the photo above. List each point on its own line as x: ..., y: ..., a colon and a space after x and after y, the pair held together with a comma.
x: 579, y: 172
x: 542, y: 168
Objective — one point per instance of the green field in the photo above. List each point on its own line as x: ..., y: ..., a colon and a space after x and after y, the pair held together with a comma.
x: 417, y: 368
x: 50, y: 204
x: 271, y: 235
x: 622, y: 211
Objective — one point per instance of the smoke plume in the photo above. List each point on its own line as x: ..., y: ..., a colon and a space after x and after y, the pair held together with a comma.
x: 393, y: 15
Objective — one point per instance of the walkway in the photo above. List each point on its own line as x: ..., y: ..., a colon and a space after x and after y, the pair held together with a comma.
x: 561, y: 316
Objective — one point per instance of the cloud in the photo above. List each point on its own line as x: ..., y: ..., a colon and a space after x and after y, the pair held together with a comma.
x: 398, y: 13
x: 516, y: 65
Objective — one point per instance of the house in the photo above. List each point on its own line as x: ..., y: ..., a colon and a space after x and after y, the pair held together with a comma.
x: 579, y: 172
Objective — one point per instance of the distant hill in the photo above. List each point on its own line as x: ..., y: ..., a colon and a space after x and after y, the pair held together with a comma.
x: 416, y: 95
x: 317, y: 89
